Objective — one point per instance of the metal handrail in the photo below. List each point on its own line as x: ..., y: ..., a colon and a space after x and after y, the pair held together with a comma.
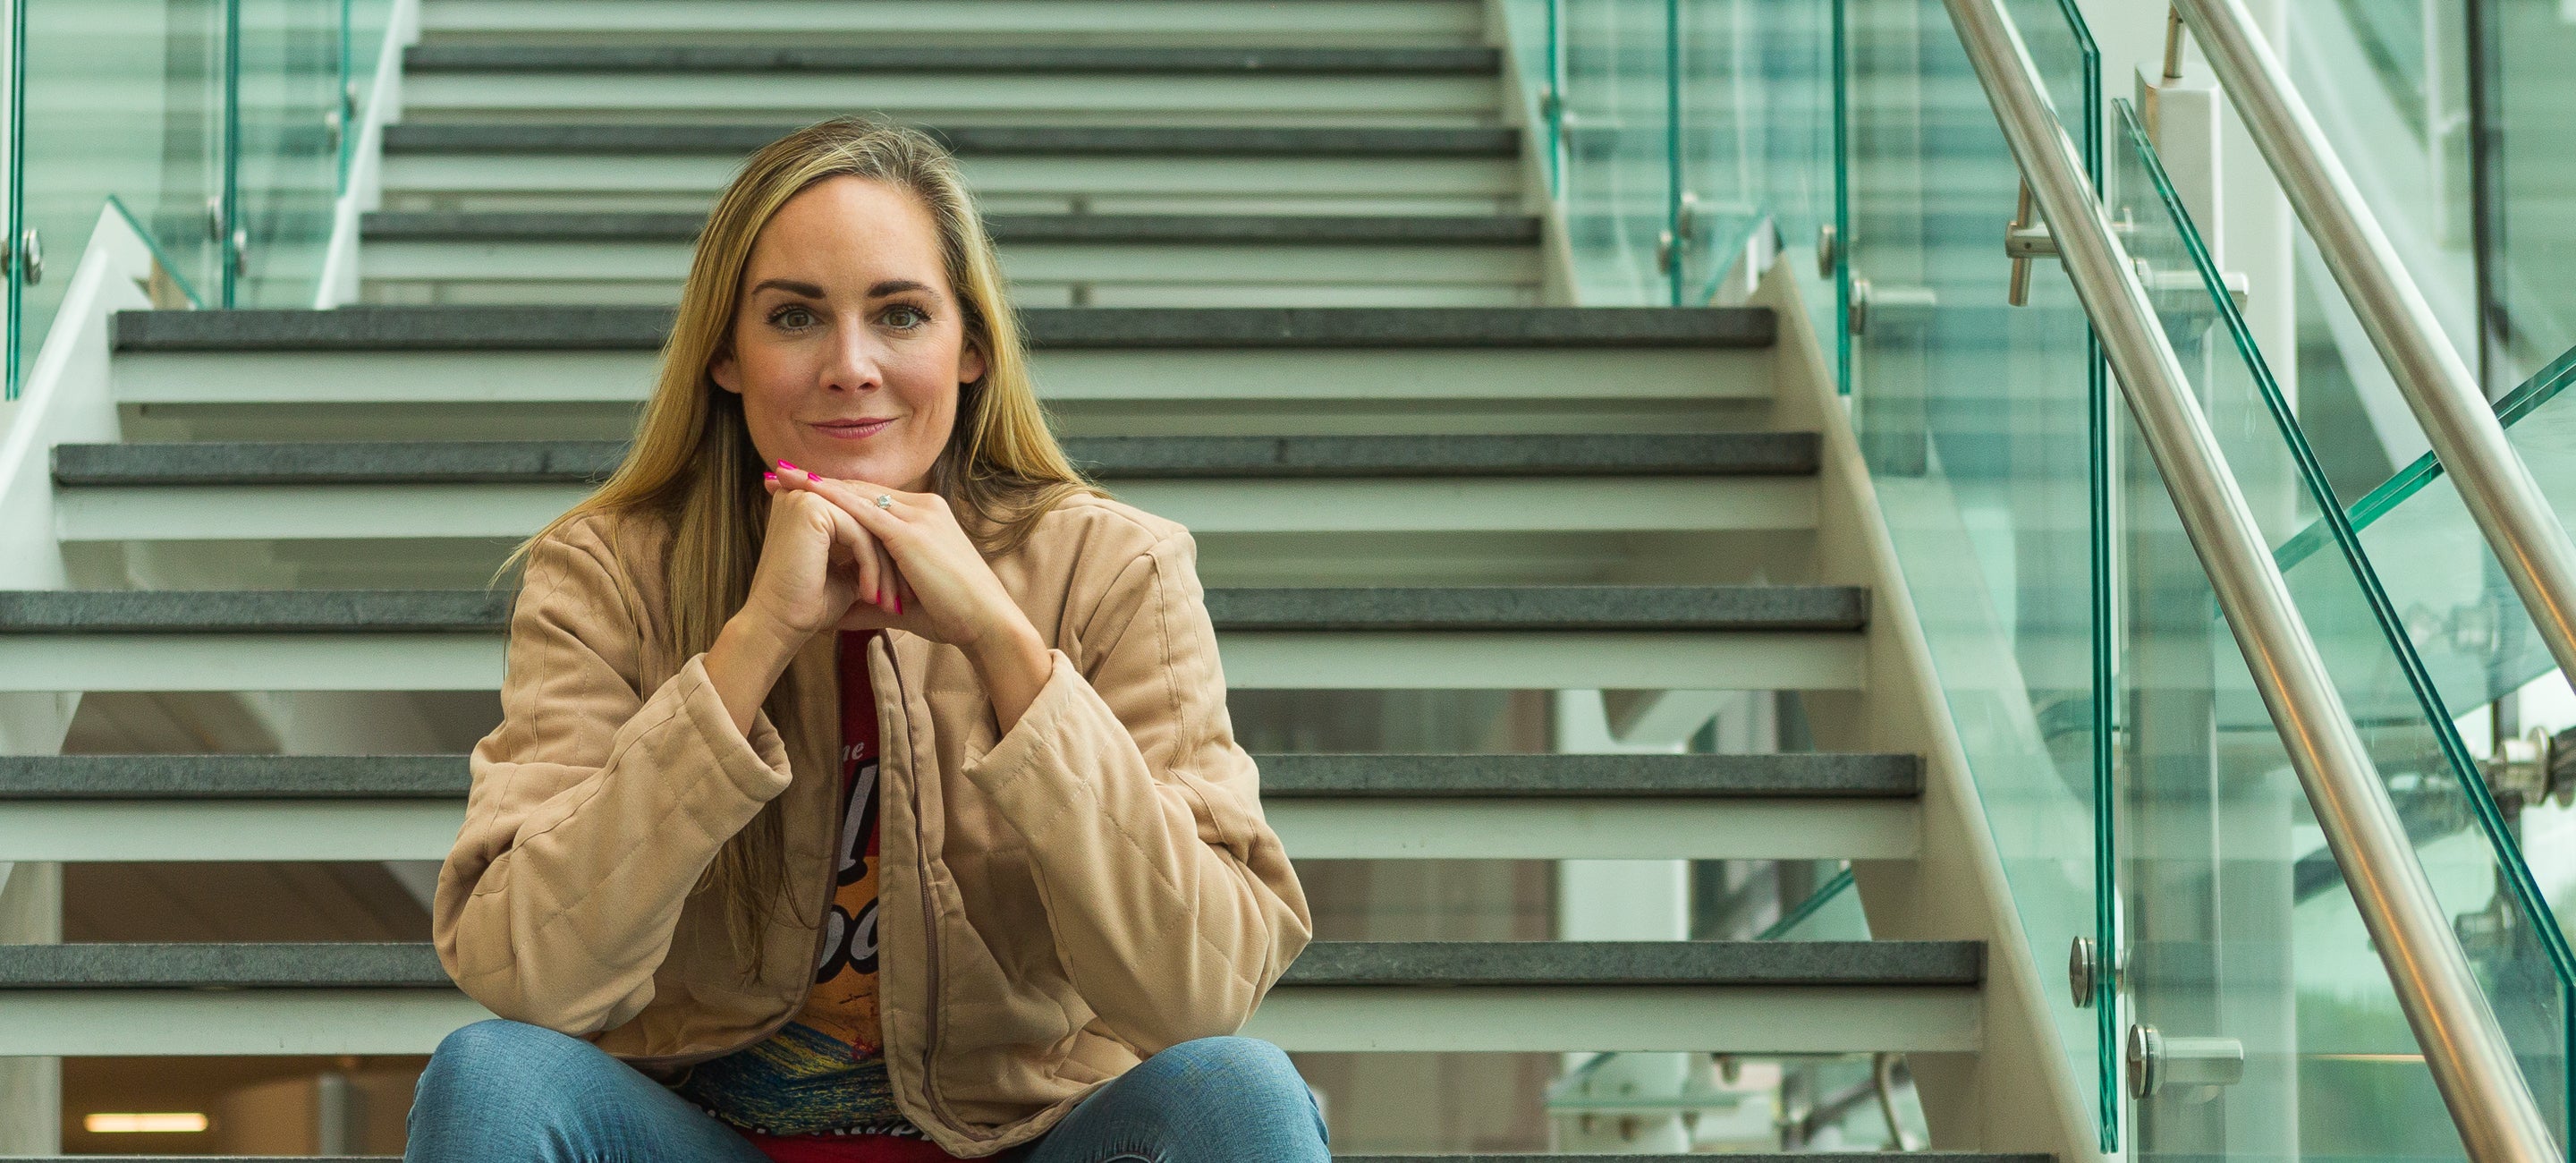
x: 2456, y: 418
x: 2463, y: 1044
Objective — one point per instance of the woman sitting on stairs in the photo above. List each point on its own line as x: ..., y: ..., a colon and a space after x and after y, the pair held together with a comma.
x: 864, y: 780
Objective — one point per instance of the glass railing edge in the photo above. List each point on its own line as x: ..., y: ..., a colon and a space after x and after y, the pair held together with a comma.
x: 2341, y: 532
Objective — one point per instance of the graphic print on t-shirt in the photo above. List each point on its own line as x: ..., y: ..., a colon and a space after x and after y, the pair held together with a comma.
x: 844, y: 1001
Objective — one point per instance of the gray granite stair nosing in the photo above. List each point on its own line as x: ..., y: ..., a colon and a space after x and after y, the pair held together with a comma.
x: 1007, y: 60
x: 1324, y: 964
x: 642, y: 329
x: 1006, y: 230
x: 509, y: 462
x: 1538, y: 609
x: 161, y: 778
x: 478, y: 138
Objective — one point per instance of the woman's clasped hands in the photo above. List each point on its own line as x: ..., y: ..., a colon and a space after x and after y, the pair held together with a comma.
x: 855, y: 564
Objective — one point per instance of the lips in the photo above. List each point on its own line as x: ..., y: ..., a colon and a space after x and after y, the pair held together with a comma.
x: 853, y: 429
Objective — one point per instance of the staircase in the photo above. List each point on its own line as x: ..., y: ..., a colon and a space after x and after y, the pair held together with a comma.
x: 1285, y: 281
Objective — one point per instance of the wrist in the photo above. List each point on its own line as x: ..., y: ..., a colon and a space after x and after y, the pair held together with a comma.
x: 760, y: 637
x: 745, y: 661
x: 1014, y: 646
x: 1014, y: 664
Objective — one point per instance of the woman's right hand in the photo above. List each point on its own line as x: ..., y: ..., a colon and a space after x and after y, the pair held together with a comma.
x: 816, y: 564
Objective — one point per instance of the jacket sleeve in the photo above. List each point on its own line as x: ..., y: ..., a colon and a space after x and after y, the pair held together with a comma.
x: 1173, y: 905
x: 595, y: 806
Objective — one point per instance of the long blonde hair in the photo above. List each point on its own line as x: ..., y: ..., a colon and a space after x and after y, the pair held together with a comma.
x: 693, y: 467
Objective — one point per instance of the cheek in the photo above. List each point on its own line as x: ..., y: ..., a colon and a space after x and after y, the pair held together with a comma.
x: 770, y: 379
x: 928, y: 384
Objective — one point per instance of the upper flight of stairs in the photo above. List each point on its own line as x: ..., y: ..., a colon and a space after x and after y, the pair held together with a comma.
x: 1282, y: 272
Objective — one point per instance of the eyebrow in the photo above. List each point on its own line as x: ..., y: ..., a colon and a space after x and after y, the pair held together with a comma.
x: 810, y: 291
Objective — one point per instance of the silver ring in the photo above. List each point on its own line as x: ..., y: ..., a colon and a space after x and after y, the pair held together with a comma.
x: 885, y: 500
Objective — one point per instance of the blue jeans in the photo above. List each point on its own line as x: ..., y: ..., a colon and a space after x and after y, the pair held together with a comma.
x: 507, y: 1092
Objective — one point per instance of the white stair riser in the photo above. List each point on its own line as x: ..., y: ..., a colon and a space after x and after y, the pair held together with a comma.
x: 1042, y: 274
x: 1283, y: 660
x: 878, y: 22
x: 1461, y: 387
x: 1363, y: 829
x: 949, y: 99
x: 1583, y: 505
x: 1740, y: 1019
x: 1024, y: 293
x: 1015, y: 183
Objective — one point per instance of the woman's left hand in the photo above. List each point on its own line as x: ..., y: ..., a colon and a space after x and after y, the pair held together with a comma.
x: 944, y: 590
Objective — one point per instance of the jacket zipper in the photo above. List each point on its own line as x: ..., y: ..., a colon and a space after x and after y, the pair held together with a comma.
x: 929, y: 910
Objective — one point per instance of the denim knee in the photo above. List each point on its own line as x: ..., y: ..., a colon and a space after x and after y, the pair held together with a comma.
x: 1229, y: 1071
x: 495, y: 1057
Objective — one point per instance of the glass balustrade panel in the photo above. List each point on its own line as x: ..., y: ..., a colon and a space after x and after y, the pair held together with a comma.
x: 122, y: 99
x: 288, y: 123
x: 2246, y: 954
x: 1976, y: 422
x: 1615, y: 126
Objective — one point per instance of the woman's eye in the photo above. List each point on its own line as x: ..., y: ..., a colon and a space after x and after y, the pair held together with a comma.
x: 905, y: 317
x: 792, y: 318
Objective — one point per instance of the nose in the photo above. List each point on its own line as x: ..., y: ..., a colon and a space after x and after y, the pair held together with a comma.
x: 856, y: 363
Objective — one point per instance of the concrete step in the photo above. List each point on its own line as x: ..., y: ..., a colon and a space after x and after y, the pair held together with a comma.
x: 1015, y: 168
x: 1052, y: 260
x: 1457, y: 23
x: 1754, y: 637
x: 375, y: 490
x: 954, y: 84
x: 1324, y: 807
x: 494, y: 372
x: 1739, y: 996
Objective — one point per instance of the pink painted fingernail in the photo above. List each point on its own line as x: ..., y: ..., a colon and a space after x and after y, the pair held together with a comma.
x: 769, y: 476
x: 784, y: 464
x: 898, y: 603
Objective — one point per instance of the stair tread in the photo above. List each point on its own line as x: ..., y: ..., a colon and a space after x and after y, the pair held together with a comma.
x: 405, y: 965
x: 558, y: 139
x: 1358, y: 608
x: 1006, y: 229
x: 568, y: 328
x: 1283, y: 777
x: 1009, y: 60
x: 1112, y: 458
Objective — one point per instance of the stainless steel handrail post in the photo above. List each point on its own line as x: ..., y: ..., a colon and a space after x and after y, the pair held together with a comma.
x: 2463, y: 1044
x: 2502, y: 498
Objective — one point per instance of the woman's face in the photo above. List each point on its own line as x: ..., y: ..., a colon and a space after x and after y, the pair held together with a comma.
x: 848, y: 346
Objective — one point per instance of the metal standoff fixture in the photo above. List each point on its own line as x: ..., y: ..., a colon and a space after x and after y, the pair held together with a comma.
x: 2195, y: 1066
x: 2472, y: 1063
x: 2456, y: 417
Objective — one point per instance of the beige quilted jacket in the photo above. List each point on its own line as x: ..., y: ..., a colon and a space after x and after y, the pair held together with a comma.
x: 1056, y: 903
